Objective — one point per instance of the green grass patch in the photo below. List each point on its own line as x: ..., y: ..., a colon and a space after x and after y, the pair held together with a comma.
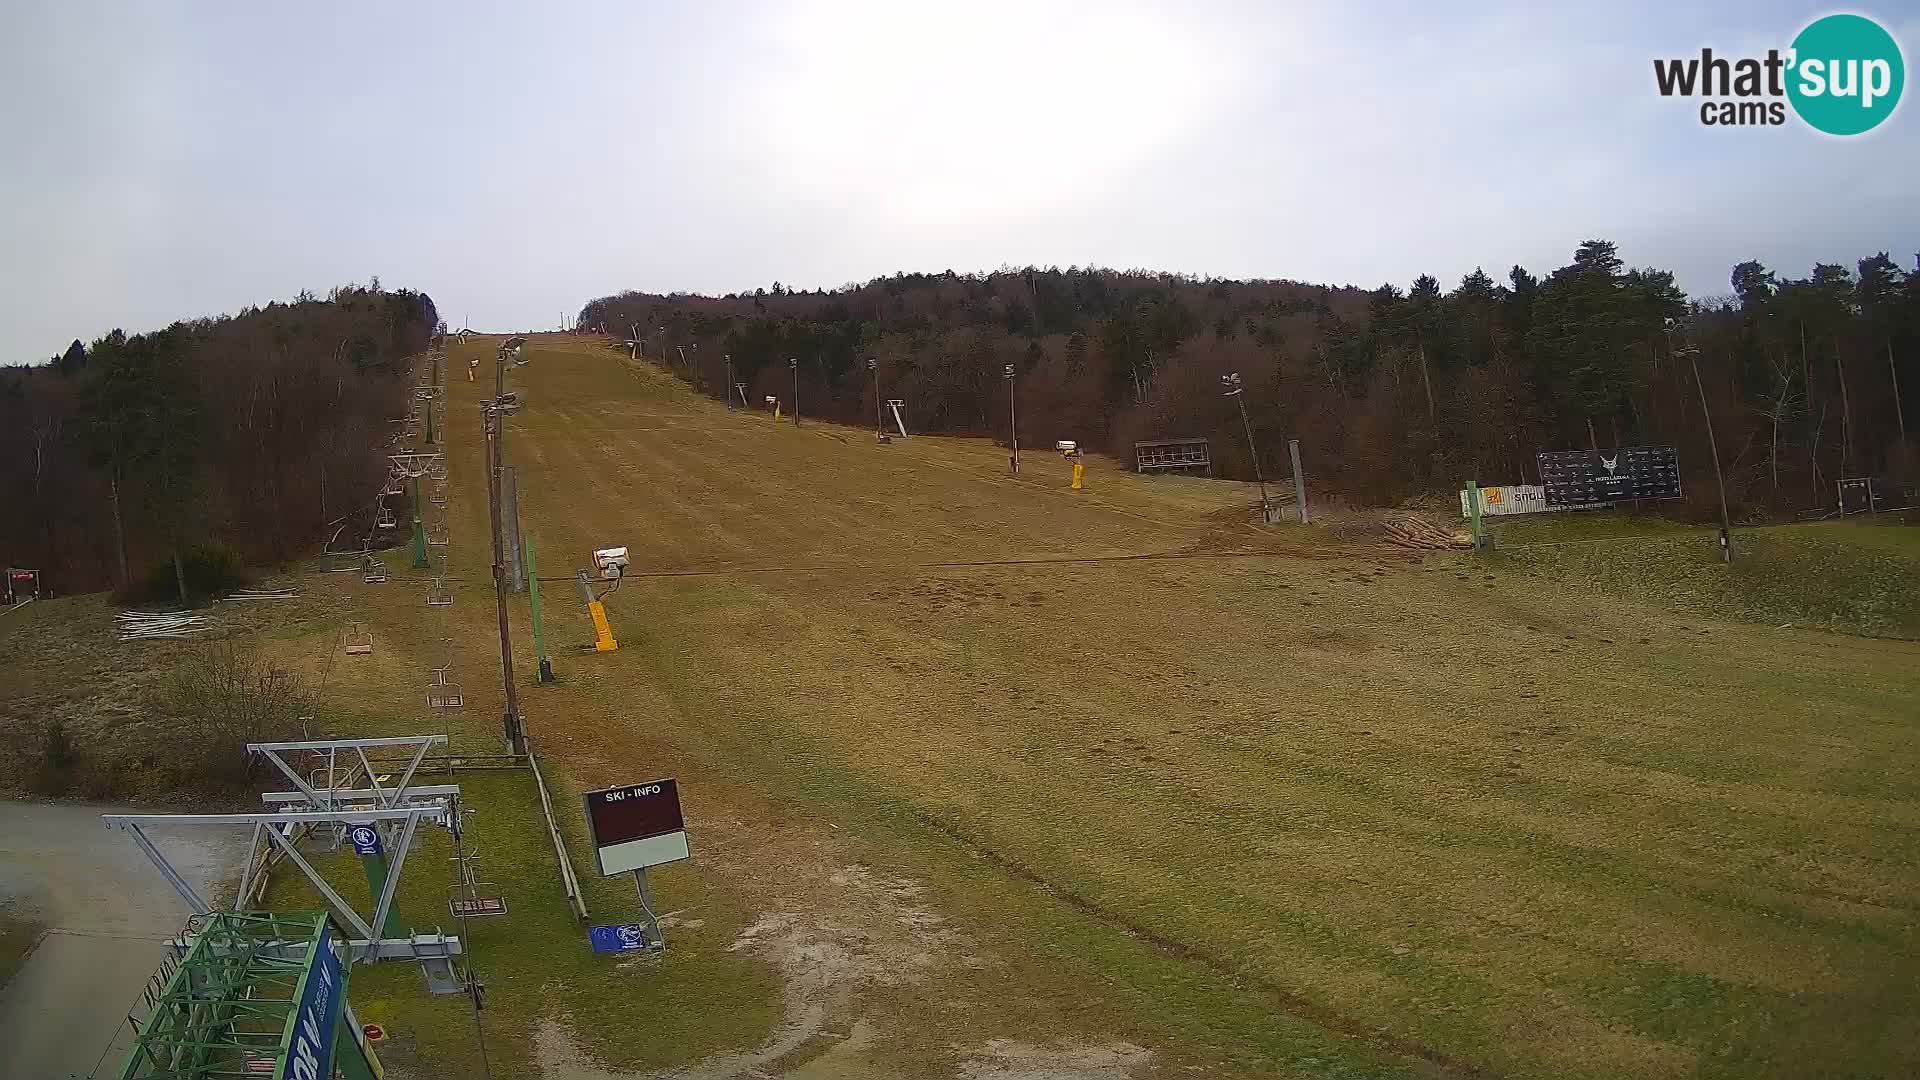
x: 627, y: 1012
x: 1842, y: 576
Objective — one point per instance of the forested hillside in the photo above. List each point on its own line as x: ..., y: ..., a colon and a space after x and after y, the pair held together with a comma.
x: 253, y: 431
x: 1393, y: 392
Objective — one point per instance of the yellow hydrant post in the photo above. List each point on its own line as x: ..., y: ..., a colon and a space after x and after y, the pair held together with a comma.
x: 603, y: 634
x: 1077, y: 467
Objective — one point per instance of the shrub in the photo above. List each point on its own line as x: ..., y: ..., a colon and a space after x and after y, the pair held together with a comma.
x: 210, y: 570
x: 220, y: 698
x: 53, y: 774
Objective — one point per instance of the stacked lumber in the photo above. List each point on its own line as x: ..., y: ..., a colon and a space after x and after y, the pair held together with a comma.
x: 149, y: 625
x: 260, y: 594
x: 1414, y: 531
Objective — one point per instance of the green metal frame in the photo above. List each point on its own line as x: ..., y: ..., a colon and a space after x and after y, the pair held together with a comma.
x: 227, y: 1006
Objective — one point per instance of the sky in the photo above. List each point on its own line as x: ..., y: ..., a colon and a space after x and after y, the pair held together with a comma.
x: 169, y: 161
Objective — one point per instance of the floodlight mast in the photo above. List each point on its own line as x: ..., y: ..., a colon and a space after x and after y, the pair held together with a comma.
x: 879, y: 422
x: 1231, y: 381
x: 493, y: 423
x: 1013, y: 423
x: 1692, y: 353
x: 793, y: 364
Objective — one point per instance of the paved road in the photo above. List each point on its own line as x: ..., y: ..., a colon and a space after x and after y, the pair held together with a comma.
x: 106, y: 911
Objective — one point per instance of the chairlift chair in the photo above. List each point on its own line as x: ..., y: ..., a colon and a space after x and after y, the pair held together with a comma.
x: 438, y: 469
x: 438, y: 532
x: 374, y: 571
x: 442, y: 691
x: 445, y: 695
x: 383, y: 518
x: 359, y: 641
x: 339, y: 526
x: 439, y: 594
x: 439, y: 493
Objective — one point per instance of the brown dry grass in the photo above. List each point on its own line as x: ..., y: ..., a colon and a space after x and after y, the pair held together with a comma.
x: 1261, y: 800
x: 1481, y: 823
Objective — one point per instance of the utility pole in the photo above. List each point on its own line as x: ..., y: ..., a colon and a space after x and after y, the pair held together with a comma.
x: 725, y: 391
x: 491, y: 423
x: 793, y: 363
x: 1713, y: 447
x: 494, y: 414
x: 879, y: 424
x: 1692, y: 353
x: 1013, y: 424
x: 1231, y: 380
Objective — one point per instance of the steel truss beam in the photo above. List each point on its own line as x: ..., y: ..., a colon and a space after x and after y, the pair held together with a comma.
x: 278, y: 828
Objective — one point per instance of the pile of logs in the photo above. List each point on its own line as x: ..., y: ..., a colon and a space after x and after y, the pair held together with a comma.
x: 148, y: 625
x: 261, y: 594
x: 1414, y: 531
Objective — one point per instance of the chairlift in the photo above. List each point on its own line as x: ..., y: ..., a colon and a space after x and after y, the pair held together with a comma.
x: 437, y: 470
x: 438, y: 532
x: 471, y: 899
x: 373, y: 571
x: 359, y: 641
x: 339, y: 560
x: 445, y: 695
x: 383, y: 518
x: 439, y: 594
x: 442, y: 691
x: 393, y: 486
x: 439, y: 493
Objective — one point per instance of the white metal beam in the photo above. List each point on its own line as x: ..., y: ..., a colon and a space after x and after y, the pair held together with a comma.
x: 442, y: 813
x: 364, y: 795
x: 340, y: 906
x: 330, y: 744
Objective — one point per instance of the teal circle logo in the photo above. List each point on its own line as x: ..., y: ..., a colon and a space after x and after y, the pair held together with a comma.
x: 1846, y: 74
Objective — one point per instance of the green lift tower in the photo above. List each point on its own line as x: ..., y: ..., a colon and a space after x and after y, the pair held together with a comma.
x: 255, y: 994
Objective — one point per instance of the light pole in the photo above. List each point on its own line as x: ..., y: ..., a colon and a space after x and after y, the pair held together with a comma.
x: 1231, y: 381
x: 879, y: 425
x: 793, y: 364
x: 693, y: 369
x: 1013, y: 424
x: 726, y: 389
x: 492, y: 419
x: 1692, y: 353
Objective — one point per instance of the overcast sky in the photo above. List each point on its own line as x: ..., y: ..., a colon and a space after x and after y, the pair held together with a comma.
x: 165, y: 161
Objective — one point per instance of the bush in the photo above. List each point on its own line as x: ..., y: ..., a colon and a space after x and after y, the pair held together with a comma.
x: 53, y: 773
x: 211, y: 569
x: 213, y: 704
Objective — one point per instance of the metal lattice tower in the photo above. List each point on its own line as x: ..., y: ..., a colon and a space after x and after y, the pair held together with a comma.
x: 228, y: 1007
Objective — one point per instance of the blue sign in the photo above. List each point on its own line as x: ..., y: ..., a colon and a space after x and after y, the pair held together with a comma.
x: 625, y: 937
x: 310, y: 1054
x: 366, y: 839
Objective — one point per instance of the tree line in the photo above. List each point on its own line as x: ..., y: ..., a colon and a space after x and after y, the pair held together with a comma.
x: 255, y: 432
x: 1393, y: 392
